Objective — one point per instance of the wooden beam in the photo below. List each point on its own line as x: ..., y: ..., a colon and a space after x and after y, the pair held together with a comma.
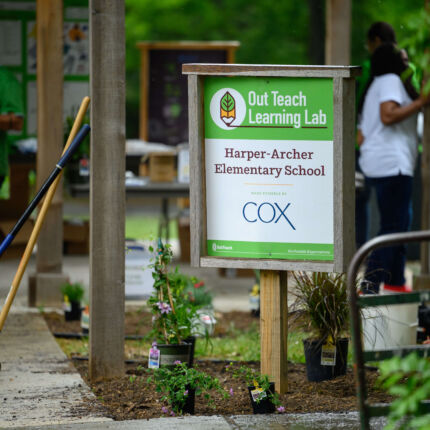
x: 274, y: 327
x: 425, y: 193
x: 49, y: 15
x: 338, y: 32
x: 343, y: 180
x: 107, y: 189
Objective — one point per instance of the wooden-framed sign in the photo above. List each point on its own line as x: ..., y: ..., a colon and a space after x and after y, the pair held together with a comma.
x: 272, y: 166
x: 163, y: 90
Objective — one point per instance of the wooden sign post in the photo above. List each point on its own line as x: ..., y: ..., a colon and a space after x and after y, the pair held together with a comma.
x: 272, y: 179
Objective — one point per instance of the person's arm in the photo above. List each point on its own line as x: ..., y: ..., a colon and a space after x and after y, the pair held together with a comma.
x: 10, y: 121
x: 360, y: 137
x: 392, y: 113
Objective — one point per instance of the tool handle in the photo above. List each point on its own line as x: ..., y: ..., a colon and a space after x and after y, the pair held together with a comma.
x: 82, y: 134
x: 85, y: 129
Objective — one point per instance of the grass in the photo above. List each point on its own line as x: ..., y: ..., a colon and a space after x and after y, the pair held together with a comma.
x: 240, y: 345
x: 236, y: 345
x: 140, y: 227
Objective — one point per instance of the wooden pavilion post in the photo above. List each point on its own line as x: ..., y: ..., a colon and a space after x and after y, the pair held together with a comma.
x: 49, y: 260
x: 338, y: 32
x: 107, y: 189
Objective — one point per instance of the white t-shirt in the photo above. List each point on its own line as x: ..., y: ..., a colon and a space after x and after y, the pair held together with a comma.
x: 387, y: 150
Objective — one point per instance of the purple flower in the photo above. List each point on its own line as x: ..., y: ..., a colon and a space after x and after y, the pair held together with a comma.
x: 231, y: 391
x: 186, y: 393
x: 164, y: 307
x: 172, y: 413
x: 164, y: 410
x: 176, y: 362
x: 280, y: 409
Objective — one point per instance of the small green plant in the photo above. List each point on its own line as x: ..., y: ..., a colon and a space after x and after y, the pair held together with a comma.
x: 321, y: 304
x: 74, y: 292
x: 175, y: 384
x: 173, y: 316
x: 408, y: 379
x: 252, y: 378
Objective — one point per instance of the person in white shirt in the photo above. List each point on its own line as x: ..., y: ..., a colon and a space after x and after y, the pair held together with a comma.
x: 388, y: 149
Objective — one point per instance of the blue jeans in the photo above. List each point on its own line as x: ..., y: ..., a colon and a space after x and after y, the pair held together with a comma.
x: 387, y: 264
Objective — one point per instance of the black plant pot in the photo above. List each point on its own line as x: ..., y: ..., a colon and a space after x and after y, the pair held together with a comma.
x: 317, y: 372
x: 174, y: 352
x: 265, y: 405
x: 192, y: 341
x: 75, y: 312
x: 188, y: 407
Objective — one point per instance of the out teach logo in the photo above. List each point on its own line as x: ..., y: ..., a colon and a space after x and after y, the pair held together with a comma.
x: 227, y: 108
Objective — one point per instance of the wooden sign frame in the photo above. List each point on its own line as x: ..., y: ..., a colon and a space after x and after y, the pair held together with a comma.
x: 343, y: 162
x: 146, y: 47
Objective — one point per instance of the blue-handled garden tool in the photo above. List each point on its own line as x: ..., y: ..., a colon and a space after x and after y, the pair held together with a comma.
x: 49, y: 187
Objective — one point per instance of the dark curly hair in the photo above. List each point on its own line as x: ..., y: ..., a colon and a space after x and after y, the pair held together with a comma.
x: 387, y: 58
x: 383, y: 30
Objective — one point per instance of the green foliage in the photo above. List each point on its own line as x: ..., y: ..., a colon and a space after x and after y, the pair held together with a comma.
x: 408, y: 379
x: 418, y: 43
x: 174, y: 316
x: 270, y: 33
x: 321, y: 304
x: 74, y: 292
x: 176, y: 382
x: 252, y: 378
x: 365, y: 12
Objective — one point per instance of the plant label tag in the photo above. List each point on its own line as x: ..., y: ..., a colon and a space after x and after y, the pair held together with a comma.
x: 154, y: 358
x: 258, y: 394
x: 328, y: 355
x: 67, y: 307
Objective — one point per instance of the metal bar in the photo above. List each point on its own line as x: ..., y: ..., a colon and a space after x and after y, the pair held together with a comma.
x: 378, y: 410
x: 383, y: 354
x: 383, y: 409
x: 393, y: 299
x: 385, y: 240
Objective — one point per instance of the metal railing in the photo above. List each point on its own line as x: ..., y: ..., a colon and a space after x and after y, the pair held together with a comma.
x: 357, y: 302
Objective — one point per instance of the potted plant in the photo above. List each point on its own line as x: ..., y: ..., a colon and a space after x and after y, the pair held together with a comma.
x: 263, y: 396
x: 180, y: 385
x: 321, y: 308
x: 173, y: 315
x: 72, y: 296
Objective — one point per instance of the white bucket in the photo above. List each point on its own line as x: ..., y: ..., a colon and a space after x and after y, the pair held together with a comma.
x: 389, y: 326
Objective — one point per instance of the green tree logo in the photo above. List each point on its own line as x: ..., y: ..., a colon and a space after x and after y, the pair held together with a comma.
x: 227, y: 108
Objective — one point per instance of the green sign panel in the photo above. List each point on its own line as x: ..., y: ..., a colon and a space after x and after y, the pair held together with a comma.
x: 269, y: 167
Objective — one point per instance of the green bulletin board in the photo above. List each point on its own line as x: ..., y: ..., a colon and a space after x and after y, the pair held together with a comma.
x: 18, y: 54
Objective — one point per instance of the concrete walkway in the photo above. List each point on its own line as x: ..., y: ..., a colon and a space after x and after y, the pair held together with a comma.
x: 38, y: 384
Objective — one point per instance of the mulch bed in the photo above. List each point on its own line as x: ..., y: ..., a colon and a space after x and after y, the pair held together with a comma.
x: 130, y: 397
